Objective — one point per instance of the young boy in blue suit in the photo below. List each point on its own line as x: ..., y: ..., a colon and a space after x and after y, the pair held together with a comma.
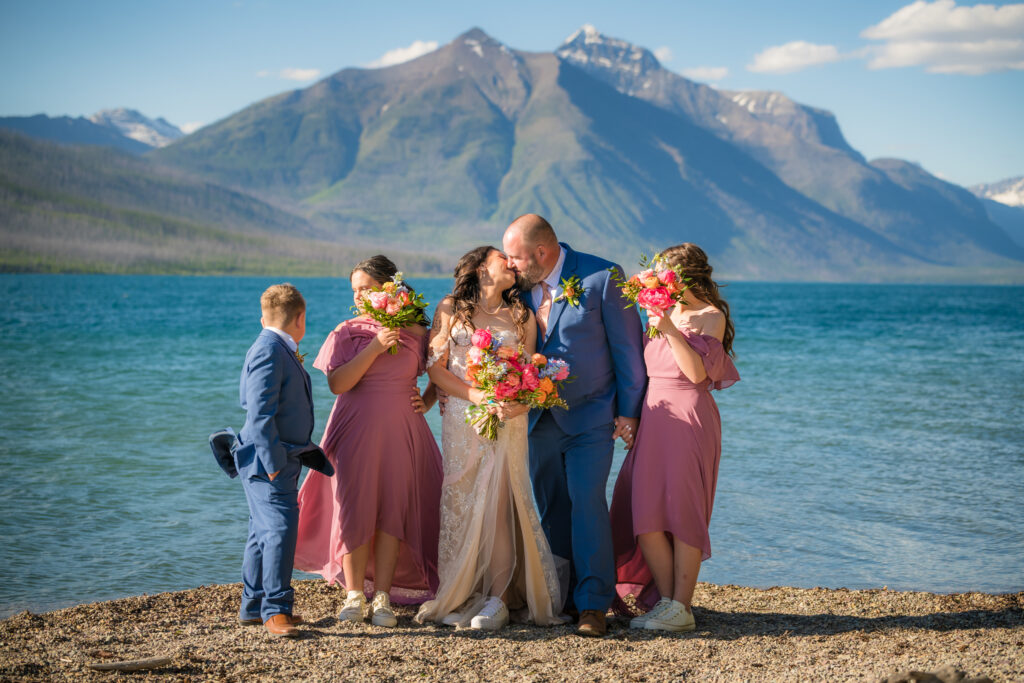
x: 268, y: 453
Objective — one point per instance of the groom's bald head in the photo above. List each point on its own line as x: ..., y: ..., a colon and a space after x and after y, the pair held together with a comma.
x: 532, y: 248
x: 533, y: 230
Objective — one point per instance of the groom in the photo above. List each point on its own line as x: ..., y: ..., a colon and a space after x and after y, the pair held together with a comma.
x: 582, y: 319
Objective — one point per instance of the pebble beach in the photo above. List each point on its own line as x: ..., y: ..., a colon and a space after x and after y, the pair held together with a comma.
x: 743, y: 634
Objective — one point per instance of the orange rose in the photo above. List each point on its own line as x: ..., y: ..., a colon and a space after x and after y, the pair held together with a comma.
x: 651, y: 282
x: 507, y: 353
x: 540, y: 396
x: 389, y: 287
x: 471, y: 372
x: 539, y: 360
x: 546, y: 385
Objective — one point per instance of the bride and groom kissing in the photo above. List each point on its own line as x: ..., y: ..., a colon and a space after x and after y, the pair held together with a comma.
x: 478, y: 528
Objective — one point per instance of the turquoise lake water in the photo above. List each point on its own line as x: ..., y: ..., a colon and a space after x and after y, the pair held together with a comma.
x: 877, y: 437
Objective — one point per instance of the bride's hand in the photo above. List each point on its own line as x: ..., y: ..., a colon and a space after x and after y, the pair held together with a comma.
x: 477, y: 396
x: 509, y: 410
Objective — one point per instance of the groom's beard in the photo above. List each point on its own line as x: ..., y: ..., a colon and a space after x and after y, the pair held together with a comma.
x: 531, y: 277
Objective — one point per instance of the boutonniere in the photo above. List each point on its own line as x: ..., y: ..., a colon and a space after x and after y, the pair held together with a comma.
x: 572, y: 290
x: 301, y: 357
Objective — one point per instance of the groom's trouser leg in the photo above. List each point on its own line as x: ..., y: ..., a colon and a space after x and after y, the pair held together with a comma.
x: 588, y: 461
x: 273, y: 506
x: 550, y: 490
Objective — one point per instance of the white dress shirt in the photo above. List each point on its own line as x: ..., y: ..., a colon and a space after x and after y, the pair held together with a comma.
x: 553, y: 279
x: 288, y: 341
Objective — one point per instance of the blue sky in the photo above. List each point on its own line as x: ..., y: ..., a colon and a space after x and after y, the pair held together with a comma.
x: 938, y: 82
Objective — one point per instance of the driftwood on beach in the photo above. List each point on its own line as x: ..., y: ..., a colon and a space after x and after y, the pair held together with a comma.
x: 774, y: 634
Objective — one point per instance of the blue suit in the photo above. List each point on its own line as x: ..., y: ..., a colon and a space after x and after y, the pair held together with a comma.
x: 277, y: 397
x: 571, y: 450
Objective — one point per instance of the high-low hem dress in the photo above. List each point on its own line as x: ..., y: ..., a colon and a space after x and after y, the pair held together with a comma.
x: 667, y: 481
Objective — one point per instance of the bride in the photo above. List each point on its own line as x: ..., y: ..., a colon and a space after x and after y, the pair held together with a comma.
x: 493, y: 555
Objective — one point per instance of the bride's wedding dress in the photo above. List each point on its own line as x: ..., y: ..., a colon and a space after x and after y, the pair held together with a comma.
x: 486, y: 498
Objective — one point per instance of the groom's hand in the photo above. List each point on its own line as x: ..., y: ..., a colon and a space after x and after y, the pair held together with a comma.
x: 625, y: 428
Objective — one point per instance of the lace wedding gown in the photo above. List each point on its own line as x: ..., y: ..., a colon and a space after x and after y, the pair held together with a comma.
x: 487, y: 496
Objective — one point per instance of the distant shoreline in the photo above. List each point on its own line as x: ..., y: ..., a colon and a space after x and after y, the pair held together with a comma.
x: 742, y: 634
x: 1016, y: 281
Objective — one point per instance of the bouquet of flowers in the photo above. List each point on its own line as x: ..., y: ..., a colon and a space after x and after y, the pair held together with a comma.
x: 656, y: 288
x: 393, y: 305
x: 507, y: 374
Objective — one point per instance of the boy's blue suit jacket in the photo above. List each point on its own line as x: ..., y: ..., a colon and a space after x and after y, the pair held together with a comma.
x: 276, y: 394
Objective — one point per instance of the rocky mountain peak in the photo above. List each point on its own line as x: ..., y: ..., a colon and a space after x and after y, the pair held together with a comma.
x: 588, y: 47
x: 135, y: 125
x: 1009, y: 191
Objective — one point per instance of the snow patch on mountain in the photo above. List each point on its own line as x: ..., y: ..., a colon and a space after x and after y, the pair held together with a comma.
x: 1009, y: 191
x: 131, y: 124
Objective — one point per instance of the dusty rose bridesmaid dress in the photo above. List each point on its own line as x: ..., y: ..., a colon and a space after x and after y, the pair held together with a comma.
x: 667, y: 482
x: 387, y: 469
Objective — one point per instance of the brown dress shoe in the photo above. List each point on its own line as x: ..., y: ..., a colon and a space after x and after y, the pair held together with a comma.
x: 592, y: 624
x: 294, y: 618
x: 280, y: 626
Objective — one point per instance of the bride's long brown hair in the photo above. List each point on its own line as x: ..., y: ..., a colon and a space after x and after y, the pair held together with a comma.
x: 467, y: 291
x: 692, y: 260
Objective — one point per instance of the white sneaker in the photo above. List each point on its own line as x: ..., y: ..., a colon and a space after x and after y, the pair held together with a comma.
x: 675, y: 617
x: 493, y: 616
x: 641, y: 621
x: 452, y: 619
x: 355, y: 605
x: 381, y: 610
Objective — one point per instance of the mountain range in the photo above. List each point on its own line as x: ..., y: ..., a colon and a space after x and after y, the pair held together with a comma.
x: 124, y: 129
x: 622, y: 155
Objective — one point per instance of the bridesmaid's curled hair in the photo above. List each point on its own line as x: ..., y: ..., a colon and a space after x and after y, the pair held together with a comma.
x: 692, y: 260
x: 382, y: 269
x: 466, y: 293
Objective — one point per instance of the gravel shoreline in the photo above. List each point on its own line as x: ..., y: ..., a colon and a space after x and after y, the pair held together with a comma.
x: 774, y: 634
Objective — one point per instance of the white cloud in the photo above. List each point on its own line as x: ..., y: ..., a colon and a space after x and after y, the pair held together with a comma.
x: 663, y: 53
x: 706, y: 73
x: 293, y: 74
x: 404, y: 54
x: 945, y: 38
x: 794, y: 56
x: 290, y: 74
x: 191, y: 127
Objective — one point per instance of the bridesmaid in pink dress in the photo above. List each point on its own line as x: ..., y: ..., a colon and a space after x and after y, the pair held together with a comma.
x: 376, y: 521
x: 663, y: 497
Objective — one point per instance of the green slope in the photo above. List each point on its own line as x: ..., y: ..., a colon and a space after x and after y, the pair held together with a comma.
x: 96, y: 210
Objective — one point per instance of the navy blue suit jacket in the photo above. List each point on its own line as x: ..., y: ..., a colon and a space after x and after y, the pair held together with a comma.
x: 602, y: 340
x: 276, y: 394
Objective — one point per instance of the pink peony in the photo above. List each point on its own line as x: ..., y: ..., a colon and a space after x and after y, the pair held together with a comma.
x: 482, y: 339
x: 379, y: 300
x: 668, y: 276
x: 504, y: 392
x: 655, y: 299
x: 513, y: 380
x: 475, y: 356
x: 531, y: 378
x: 394, y: 306
x: 563, y: 373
